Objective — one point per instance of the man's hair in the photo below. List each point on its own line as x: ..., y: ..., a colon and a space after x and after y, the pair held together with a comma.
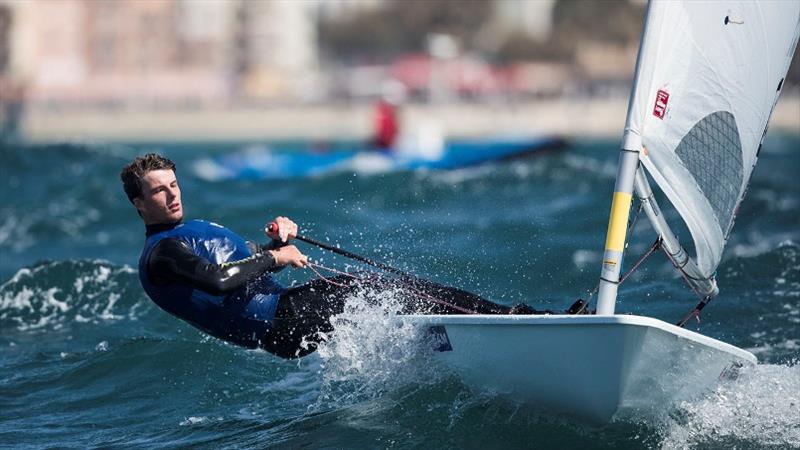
x: 133, y: 173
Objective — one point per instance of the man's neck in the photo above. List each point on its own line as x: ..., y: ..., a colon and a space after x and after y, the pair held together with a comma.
x: 153, y: 228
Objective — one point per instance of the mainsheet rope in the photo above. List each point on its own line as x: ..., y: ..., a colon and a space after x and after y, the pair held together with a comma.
x: 314, y: 267
x: 273, y: 227
x: 695, y: 312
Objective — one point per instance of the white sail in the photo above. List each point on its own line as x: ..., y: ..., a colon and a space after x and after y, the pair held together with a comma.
x: 709, y: 74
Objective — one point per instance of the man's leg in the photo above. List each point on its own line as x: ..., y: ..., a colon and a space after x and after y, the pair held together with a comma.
x: 303, y: 313
x: 303, y: 316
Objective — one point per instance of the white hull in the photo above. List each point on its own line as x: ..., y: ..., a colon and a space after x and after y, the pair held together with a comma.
x: 590, y: 367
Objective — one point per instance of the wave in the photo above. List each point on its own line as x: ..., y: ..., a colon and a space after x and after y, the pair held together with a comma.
x: 68, y: 159
x: 776, y: 266
x: 52, y: 295
x: 377, y: 370
x: 79, y: 202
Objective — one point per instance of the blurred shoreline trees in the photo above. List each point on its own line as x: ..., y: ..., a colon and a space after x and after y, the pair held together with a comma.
x: 382, y: 34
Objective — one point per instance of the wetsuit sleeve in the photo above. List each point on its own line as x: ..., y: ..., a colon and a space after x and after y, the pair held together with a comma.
x: 263, y: 248
x: 173, y: 261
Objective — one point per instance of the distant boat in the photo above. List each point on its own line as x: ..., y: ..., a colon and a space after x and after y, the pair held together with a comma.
x: 261, y: 163
x: 707, y: 77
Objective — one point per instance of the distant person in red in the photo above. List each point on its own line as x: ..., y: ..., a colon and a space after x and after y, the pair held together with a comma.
x: 385, y: 125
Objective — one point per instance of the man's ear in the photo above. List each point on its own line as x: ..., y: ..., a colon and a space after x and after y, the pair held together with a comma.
x: 137, y: 203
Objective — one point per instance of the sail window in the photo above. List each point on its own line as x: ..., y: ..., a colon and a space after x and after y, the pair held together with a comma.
x: 712, y: 152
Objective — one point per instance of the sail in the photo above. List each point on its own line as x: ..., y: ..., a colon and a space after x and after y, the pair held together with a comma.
x: 708, y: 76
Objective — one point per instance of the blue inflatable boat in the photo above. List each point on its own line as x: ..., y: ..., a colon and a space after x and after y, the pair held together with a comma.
x: 260, y: 163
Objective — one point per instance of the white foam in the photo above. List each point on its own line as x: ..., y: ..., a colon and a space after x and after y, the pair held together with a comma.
x: 92, y: 296
x: 776, y: 200
x: 20, y: 300
x: 194, y: 420
x: 605, y: 169
x: 300, y: 388
x: 107, y: 313
x: 456, y: 177
x: 757, y: 244
x: 766, y: 350
x: 208, y: 170
x: 760, y: 408
x: 293, y: 382
x: 369, y: 164
x: 51, y: 300
x: 101, y: 274
x: 586, y: 258
x: 68, y: 215
x: 373, y: 352
x: 21, y: 273
x: 15, y: 233
x: 41, y: 303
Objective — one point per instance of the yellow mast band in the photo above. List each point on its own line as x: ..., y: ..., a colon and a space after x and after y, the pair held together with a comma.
x: 618, y: 222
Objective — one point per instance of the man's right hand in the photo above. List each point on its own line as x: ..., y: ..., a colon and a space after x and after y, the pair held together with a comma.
x: 284, y: 229
x: 289, y: 254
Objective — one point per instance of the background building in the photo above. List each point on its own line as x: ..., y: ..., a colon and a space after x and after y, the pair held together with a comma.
x: 62, y: 56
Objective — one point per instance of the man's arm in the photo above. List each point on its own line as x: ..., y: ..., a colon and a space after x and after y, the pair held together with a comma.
x: 173, y: 261
x: 273, y: 244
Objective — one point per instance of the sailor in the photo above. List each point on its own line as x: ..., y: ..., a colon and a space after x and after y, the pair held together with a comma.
x: 210, y: 277
x: 385, y: 123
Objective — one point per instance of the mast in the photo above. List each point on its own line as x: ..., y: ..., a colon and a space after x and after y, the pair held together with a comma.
x: 618, y: 224
x: 623, y: 194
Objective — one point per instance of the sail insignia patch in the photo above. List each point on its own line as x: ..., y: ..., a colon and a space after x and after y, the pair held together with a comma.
x: 660, y: 108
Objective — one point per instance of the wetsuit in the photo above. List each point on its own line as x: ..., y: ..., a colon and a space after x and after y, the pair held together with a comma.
x: 210, y: 277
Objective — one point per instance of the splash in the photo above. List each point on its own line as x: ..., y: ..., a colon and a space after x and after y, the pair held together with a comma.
x: 759, y: 409
x: 373, y: 351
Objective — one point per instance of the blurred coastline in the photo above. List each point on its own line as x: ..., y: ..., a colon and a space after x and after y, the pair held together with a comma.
x: 242, y: 70
x: 588, y: 117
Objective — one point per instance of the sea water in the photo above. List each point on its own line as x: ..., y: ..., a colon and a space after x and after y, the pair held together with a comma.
x: 87, y: 360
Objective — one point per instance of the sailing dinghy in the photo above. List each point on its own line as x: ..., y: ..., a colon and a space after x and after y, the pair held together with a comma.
x: 708, y: 75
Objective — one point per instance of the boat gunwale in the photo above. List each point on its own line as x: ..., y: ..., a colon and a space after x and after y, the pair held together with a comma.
x: 563, y: 319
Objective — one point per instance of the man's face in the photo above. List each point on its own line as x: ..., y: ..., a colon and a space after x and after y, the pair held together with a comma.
x: 160, y: 201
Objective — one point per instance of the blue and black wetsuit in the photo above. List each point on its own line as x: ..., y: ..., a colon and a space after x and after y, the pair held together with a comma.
x: 210, y: 277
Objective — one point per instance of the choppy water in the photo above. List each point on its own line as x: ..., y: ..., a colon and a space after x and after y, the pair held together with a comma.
x: 87, y: 360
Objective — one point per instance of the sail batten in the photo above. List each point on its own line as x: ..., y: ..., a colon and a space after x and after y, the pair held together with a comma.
x: 708, y: 78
